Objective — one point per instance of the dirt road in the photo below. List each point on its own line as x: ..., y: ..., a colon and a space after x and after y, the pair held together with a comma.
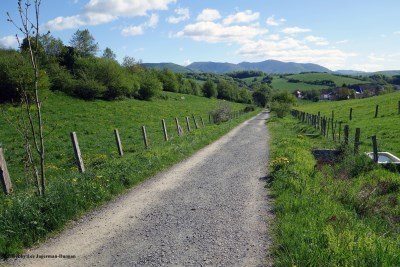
x: 209, y: 210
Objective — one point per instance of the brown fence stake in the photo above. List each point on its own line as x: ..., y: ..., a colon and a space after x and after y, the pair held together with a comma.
x: 118, y: 140
x: 375, y: 148
x: 146, y: 142
x: 376, y: 111
x: 399, y: 107
x: 178, y: 127
x: 164, y: 130
x: 187, y: 124
x: 202, y: 121
x: 340, y: 130
x: 77, y: 152
x: 195, y: 122
x: 351, y: 113
x: 4, y: 174
x: 357, y: 140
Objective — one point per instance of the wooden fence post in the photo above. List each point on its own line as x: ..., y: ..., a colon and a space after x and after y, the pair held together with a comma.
x: 399, y: 107
x: 187, y: 123
x: 77, y: 152
x: 340, y: 130
x: 351, y: 113
x: 202, y: 121
x: 376, y: 111
x: 4, y: 174
x: 195, y: 122
x: 178, y: 127
x: 164, y: 130
x: 375, y: 148
x: 146, y: 142
x: 346, y: 134
x: 357, y: 140
x: 118, y: 140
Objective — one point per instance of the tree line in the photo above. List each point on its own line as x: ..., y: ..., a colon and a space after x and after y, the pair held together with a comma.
x: 77, y: 70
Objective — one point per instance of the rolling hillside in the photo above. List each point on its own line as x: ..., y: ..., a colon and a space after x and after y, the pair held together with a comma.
x: 385, y: 126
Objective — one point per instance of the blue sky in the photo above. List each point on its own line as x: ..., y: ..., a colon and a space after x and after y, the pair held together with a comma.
x: 357, y: 34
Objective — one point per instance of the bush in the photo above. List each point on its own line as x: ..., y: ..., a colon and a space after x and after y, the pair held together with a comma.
x: 14, y: 75
x: 222, y: 113
x: 281, y: 109
x: 61, y: 79
x: 249, y: 108
x: 89, y: 89
x: 150, y: 86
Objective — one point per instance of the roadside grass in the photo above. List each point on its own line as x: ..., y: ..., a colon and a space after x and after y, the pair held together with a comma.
x: 347, y: 214
x: 385, y: 126
x: 26, y: 219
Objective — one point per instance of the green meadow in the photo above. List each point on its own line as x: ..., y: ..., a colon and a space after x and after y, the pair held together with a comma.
x: 337, y: 79
x: 385, y: 126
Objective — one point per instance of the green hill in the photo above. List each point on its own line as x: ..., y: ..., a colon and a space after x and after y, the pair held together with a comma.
x: 337, y: 79
x: 173, y: 67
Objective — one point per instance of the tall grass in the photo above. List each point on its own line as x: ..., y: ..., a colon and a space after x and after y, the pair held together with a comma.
x: 347, y: 214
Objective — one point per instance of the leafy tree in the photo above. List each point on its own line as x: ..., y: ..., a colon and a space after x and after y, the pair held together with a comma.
x: 259, y: 98
x: 209, y: 89
x: 109, y: 54
x: 169, y: 80
x: 52, y: 47
x: 84, y: 43
x: 224, y: 90
x: 282, y: 103
x: 150, y: 86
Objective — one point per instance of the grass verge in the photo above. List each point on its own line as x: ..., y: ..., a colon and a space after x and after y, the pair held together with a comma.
x: 347, y: 214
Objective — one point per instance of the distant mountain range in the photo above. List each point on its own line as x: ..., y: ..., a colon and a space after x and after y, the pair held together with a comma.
x: 268, y: 66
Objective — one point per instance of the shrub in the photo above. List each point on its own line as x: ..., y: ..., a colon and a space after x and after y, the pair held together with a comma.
x: 14, y: 75
x: 61, y: 79
x: 150, y: 86
x: 222, y: 113
x: 89, y: 89
x: 281, y: 109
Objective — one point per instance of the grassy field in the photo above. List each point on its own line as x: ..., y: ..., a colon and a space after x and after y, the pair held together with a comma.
x: 385, y: 126
x: 26, y: 219
x: 283, y: 84
x: 337, y: 79
x: 346, y: 214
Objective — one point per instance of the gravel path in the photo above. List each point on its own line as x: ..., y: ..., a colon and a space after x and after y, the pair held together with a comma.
x: 209, y: 210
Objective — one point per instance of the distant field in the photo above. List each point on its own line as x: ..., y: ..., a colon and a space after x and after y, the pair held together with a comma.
x: 338, y: 80
x: 385, y: 126
x: 283, y: 84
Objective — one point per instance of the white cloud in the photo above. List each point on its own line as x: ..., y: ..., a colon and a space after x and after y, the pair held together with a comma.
x: 242, y: 17
x: 294, y: 30
x: 274, y: 37
x: 342, y: 42
x: 272, y: 22
x: 139, y: 30
x: 182, y: 15
x: 212, y: 32
x: 133, y: 30
x: 374, y: 57
x: 103, y: 11
x: 397, y: 33
x: 9, y: 41
x: 187, y: 62
x: 209, y: 15
x: 316, y: 40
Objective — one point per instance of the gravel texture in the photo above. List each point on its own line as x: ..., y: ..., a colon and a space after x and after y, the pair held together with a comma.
x: 209, y: 210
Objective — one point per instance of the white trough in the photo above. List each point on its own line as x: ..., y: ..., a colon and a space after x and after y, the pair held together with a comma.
x: 385, y: 157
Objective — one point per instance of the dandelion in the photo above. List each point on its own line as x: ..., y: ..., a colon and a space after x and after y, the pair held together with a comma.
x: 99, y: 177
